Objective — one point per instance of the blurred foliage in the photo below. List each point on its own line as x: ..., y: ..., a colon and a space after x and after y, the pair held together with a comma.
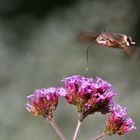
x: 34, y: 7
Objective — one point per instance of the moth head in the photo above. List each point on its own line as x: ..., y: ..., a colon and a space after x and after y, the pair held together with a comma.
x: 101, y: 40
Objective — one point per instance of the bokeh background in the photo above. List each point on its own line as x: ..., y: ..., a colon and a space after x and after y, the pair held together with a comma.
x: 39, y: 47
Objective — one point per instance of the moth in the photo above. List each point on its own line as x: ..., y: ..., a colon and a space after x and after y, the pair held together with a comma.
x: 112, y: 40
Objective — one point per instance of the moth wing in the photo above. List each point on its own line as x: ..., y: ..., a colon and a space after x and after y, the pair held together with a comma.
x: 87, y: 37
x: 132, y: 52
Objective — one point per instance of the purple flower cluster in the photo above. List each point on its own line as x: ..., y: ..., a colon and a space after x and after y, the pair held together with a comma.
x: 89, y: 95
x: 118, y: 122
x: 43, y: 101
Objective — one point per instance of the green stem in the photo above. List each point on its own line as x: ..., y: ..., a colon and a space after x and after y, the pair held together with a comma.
x: 77, y: 130
x: 56, y: 128
x: 99, y: 137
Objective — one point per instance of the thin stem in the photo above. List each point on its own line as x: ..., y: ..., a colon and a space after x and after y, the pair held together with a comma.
x: 56, y: 128
x: 77, y: 130
x: 99, y: 137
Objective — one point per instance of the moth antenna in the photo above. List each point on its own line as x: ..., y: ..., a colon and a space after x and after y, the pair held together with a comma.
x: 87, y: 54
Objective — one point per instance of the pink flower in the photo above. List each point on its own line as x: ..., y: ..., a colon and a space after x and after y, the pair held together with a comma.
x: 43, y: 101
x: 88, y: 94
x: 118, y: 122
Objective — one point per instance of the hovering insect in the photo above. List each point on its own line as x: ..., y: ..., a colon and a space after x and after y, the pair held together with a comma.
x: 112, y: 40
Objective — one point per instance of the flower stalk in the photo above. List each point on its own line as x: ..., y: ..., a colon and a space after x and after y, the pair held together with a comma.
x: 78, y: 127
x: 56, y: 128
x: 99, y: 137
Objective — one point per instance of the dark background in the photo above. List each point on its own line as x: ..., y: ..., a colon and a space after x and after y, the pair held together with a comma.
x: 39, y: 47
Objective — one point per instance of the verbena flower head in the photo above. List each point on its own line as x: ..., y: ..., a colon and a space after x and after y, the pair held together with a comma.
x: 44, y: 101
x: 88, y: 94
x: 118, y: 122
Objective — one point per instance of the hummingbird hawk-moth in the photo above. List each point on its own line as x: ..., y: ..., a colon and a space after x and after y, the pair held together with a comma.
x: 112, y: 40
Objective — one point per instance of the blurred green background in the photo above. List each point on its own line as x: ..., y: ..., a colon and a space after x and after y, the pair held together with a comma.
x: 39, y: 47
